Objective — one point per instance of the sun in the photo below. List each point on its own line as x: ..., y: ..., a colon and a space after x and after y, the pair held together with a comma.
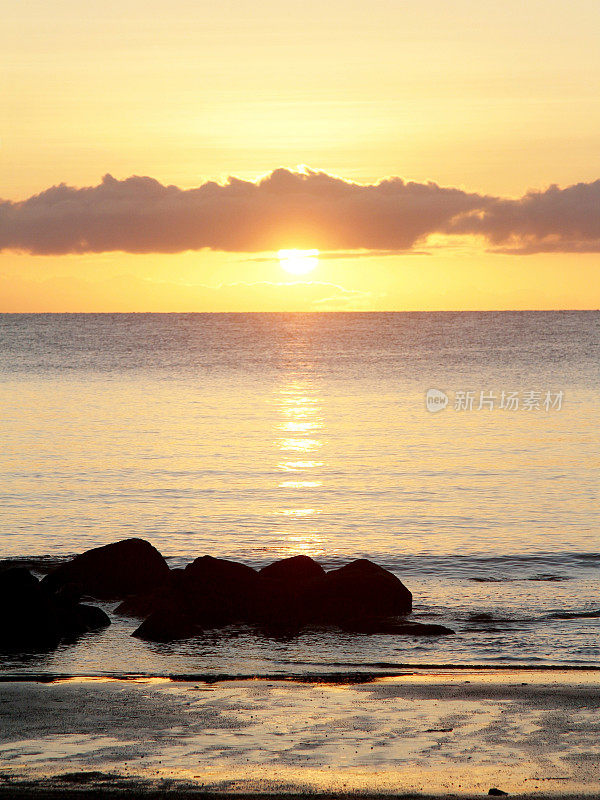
x: 298, y: 262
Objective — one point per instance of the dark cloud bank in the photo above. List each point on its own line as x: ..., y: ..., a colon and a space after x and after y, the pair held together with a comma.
x: 301, y: 209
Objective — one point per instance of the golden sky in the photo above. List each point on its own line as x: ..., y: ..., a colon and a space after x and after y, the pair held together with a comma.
x: 492, y: 102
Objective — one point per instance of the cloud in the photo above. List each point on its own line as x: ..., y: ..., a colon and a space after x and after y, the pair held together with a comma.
x: 293, y: 209
x: 556, y: 220
x: 339, y: 255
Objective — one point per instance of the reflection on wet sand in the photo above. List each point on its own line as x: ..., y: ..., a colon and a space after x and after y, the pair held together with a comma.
x: 443, y: 734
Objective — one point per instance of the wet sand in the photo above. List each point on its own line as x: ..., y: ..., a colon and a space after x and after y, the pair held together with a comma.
x: 437, y: 733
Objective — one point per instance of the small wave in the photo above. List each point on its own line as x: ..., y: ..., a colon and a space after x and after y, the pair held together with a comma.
x: 40, y: 564
x: 482, y: 567
x: 543, y: 576
x: 484, y: 618
x: 575, y: 615
x: 477, y: 567
x: 331, y: 677
x: 486, y: 629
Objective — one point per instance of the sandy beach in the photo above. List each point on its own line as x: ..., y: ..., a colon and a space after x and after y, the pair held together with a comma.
x: 434, y: 733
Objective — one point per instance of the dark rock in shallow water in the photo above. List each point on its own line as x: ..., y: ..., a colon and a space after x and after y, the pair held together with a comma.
x: 281, y: 600
x: 28, y: 617
x: 111, y: 572
x: 32, y: 618
x: 288, y: 595
x: 18, y: 585
x: 89, y: 618
x: 215, y: 592
x: 167, y: 624
x: 210, y: 592
x: 142, y: 605
x: 360, y: 596
x: 397, y: 627
x: 138, y: 606
x: 361, y: 590
x: 296, y: 569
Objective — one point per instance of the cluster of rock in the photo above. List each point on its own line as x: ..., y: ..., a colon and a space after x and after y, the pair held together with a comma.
x: 39, y: 615
x: 34, y: 618
x: 282, y: 598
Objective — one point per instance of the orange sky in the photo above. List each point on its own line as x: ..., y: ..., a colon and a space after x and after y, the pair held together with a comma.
x: 490, y: 99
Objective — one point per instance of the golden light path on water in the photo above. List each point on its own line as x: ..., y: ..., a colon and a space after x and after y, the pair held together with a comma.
x: 298, y: 443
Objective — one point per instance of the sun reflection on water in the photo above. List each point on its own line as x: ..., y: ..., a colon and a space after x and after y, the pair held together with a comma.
x: 307, y: 544
x: 300, y: 484
x: 298, y: 512
x: 299, y: 427
x: 300, y: 445
x: 298, y: 466
x: 299, y: 408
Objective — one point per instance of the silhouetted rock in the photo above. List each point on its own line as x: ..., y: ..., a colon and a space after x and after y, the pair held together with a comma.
x: 138, y: 606
x: 142, y: 605
x: 396, y: 627
x: 288, y: 593
x: 28, y: 617
x: 215, y: 591
x: 296, y: 569
x: 111, y: 572
x: 497, y: 792
x: 33, y: 618
x: 18, y: 585
x: 166, y: 624
x: 84, y: 619
x: 210, y: 592
x: 362, y: 590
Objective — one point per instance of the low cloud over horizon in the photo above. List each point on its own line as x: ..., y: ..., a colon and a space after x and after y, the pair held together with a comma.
x: 304, y: 209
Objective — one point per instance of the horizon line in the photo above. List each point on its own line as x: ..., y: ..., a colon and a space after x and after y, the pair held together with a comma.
x: 320, y: 311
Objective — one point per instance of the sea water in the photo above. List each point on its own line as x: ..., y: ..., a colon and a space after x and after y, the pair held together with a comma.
x: 459, y: 450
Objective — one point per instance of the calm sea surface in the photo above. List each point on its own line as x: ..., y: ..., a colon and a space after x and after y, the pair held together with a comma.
x: 258, y: 436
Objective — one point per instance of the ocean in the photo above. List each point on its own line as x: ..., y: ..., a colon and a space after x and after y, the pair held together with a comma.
x: 259, y: 436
